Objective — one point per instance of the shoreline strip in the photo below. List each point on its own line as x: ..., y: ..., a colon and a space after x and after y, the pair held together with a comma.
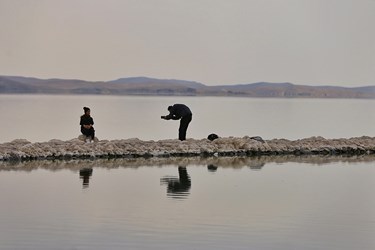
x: 21, y: 150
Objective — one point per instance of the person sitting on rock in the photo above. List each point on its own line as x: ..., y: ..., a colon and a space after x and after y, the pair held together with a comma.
x: 87, y: 123
x: 180, y: 111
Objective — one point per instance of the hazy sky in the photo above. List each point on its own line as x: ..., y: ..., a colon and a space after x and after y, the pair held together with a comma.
x: 314, y: 42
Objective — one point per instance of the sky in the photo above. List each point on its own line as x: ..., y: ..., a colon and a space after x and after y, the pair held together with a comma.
x: 215, y: 42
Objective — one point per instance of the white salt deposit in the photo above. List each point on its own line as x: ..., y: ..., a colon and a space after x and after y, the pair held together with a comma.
x: 231, y: 146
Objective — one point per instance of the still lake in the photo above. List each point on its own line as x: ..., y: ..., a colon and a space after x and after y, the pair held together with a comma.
x: 187, y: 203
x: 45, y: 117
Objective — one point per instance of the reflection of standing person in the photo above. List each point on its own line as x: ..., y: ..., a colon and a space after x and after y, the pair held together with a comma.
x: 177, y: 112
x: 178, y: 187
x: 87, y: 123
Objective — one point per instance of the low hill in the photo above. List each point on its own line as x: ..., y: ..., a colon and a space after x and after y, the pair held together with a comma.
x: 280, y: 90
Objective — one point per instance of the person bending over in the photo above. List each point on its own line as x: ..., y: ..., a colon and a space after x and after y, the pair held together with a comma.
x: 87, y: 123
x: 177, y: 112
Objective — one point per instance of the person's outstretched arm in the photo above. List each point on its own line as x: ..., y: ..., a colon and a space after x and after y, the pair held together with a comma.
x: 170, y: 116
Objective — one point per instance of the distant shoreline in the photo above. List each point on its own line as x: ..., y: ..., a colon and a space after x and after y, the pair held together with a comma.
x: 151, y: 95
x: 144, y: 86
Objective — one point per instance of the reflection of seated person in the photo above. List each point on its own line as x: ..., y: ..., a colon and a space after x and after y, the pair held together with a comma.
x: 178, y: 187
x: 85, y: 175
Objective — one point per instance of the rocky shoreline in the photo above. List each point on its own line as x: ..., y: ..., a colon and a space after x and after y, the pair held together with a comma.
x: 21, y: 150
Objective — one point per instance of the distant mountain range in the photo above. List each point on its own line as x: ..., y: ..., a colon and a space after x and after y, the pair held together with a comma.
x: 155, y: 87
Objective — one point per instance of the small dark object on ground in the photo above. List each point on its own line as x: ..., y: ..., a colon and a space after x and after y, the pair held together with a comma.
x: 212, y: 137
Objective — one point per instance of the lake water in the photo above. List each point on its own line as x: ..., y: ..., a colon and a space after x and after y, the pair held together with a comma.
x: 232, y: 203
x: 44, y: 117
x: 261, y: 203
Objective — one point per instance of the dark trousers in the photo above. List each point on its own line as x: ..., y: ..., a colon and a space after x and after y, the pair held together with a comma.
x: 88, y: 132
x: 184, y: 123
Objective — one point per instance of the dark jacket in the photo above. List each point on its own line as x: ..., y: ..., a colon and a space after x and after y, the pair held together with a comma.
x: 178, y: 111
x: 86, y: 120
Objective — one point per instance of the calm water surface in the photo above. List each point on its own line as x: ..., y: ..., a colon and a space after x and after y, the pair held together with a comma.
x: 236, y: 204
x: 187, y: 203
x: 45, y: 117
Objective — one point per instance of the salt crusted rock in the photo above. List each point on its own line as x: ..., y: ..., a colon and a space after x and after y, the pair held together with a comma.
x: 86, y: 139
x: 230, y: 146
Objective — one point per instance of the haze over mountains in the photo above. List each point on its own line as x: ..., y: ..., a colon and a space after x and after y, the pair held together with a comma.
x: 154, y: 87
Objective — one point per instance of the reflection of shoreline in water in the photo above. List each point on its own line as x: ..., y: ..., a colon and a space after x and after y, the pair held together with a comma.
x: 255, y: 163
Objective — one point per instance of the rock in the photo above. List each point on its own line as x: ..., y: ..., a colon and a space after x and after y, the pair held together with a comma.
x: 257, y: 138
x: 212, y: 137
x: 85, y: 138
x: 82, y: 137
